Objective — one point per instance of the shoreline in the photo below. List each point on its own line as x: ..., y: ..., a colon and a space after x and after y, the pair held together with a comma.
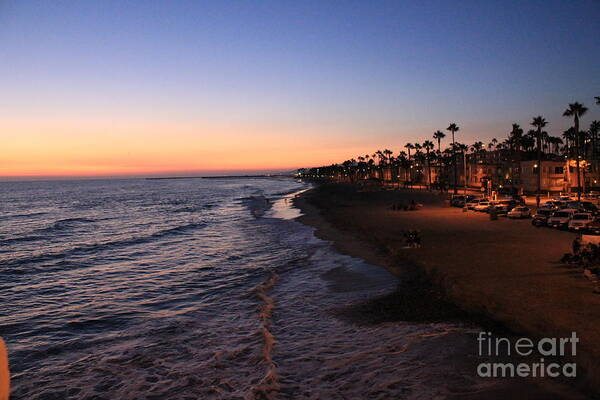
x: 412, y: 281
x: 362, y: 226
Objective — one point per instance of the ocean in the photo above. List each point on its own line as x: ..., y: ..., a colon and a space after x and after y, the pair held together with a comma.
x: 199, y: 289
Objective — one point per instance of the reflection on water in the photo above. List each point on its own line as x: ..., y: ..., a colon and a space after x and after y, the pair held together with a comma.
x: 282, y: 208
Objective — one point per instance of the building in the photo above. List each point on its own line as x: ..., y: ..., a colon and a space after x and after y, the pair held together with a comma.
x: 553, y: 176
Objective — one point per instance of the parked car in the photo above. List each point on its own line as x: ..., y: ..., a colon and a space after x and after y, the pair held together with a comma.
x: 586, y: 206
x: 482, y: 206
x: 561, y: 218
x: 594, y: 227
x: 473, y: 202
x: 519, y: 212
x: 460, y: 200
x: 504, y: 206
x: 580, y: 221
x: 494, y: 205
x: 541, y: 216
x: 552, y: 204
x: 456, y: 199
x: 563, y: 198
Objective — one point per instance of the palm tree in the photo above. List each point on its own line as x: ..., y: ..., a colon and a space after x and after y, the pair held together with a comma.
x: 516, y: 137
x: 361, y: 165
x: 378, y: 166
x: 388, y: 154
x: 463, y: 148
x: 404, y: 163
x: 409, y: 147
x: 477, y: 147
x: 428, y: 145
x: 555, y: 142
x: 594, y: 130
x: 586, y: 143
x: 569, y: 136
x: 528, y: 140
x: 418, y: 152
x: 545, y: 139
x: 439, y: 135
x: 454, y: 128
x: 576, y: 111
x: 597, y: 100
x: 539, y: 122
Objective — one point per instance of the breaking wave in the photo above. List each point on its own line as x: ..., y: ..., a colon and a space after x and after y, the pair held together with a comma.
x: 257, y: 205
x: 268, y: 385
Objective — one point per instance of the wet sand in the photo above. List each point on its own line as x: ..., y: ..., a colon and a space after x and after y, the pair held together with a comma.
x: 503, y: 271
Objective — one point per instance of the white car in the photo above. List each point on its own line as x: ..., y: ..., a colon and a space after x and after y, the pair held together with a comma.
x: 519, y: 212
x: 580, y: 221
x: 561, y: 218
x: 482, y: 206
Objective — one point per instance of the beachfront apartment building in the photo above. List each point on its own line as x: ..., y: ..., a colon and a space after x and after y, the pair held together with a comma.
x: 487, y: 168
x: 560, y: 176
x: 553, y: 176
x: 556, y: 175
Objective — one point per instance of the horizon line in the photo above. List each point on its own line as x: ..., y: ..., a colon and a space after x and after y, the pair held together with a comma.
x: 158, y: 176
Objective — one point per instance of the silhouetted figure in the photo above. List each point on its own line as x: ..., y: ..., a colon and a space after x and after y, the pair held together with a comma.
x: 413, y: 238
x: 576, y: 246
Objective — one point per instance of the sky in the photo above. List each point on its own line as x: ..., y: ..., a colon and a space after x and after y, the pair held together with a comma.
x: 112, y: 88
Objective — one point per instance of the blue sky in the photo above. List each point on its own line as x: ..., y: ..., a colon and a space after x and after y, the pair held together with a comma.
x: 347, y: 75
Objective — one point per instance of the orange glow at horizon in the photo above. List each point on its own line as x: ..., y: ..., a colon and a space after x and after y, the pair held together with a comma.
x: 90, y: 148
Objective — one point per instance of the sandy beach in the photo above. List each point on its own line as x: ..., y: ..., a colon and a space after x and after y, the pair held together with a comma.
x: 506, y: 271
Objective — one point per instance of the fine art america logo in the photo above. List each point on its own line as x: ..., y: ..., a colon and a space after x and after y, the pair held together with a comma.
x: 490, y: 346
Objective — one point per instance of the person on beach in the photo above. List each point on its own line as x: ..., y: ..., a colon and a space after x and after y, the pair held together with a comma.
x: 417, y: 239
x: 413, y: 239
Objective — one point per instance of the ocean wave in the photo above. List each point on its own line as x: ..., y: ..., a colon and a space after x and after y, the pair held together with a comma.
x: 192, y: 209
x: 26, y: 215
x: 268, y: 385
x: 22, y: 265
x: 21, y: 239
x: 65, y: 224
x: 42, y: 233
x: 257, y: 205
